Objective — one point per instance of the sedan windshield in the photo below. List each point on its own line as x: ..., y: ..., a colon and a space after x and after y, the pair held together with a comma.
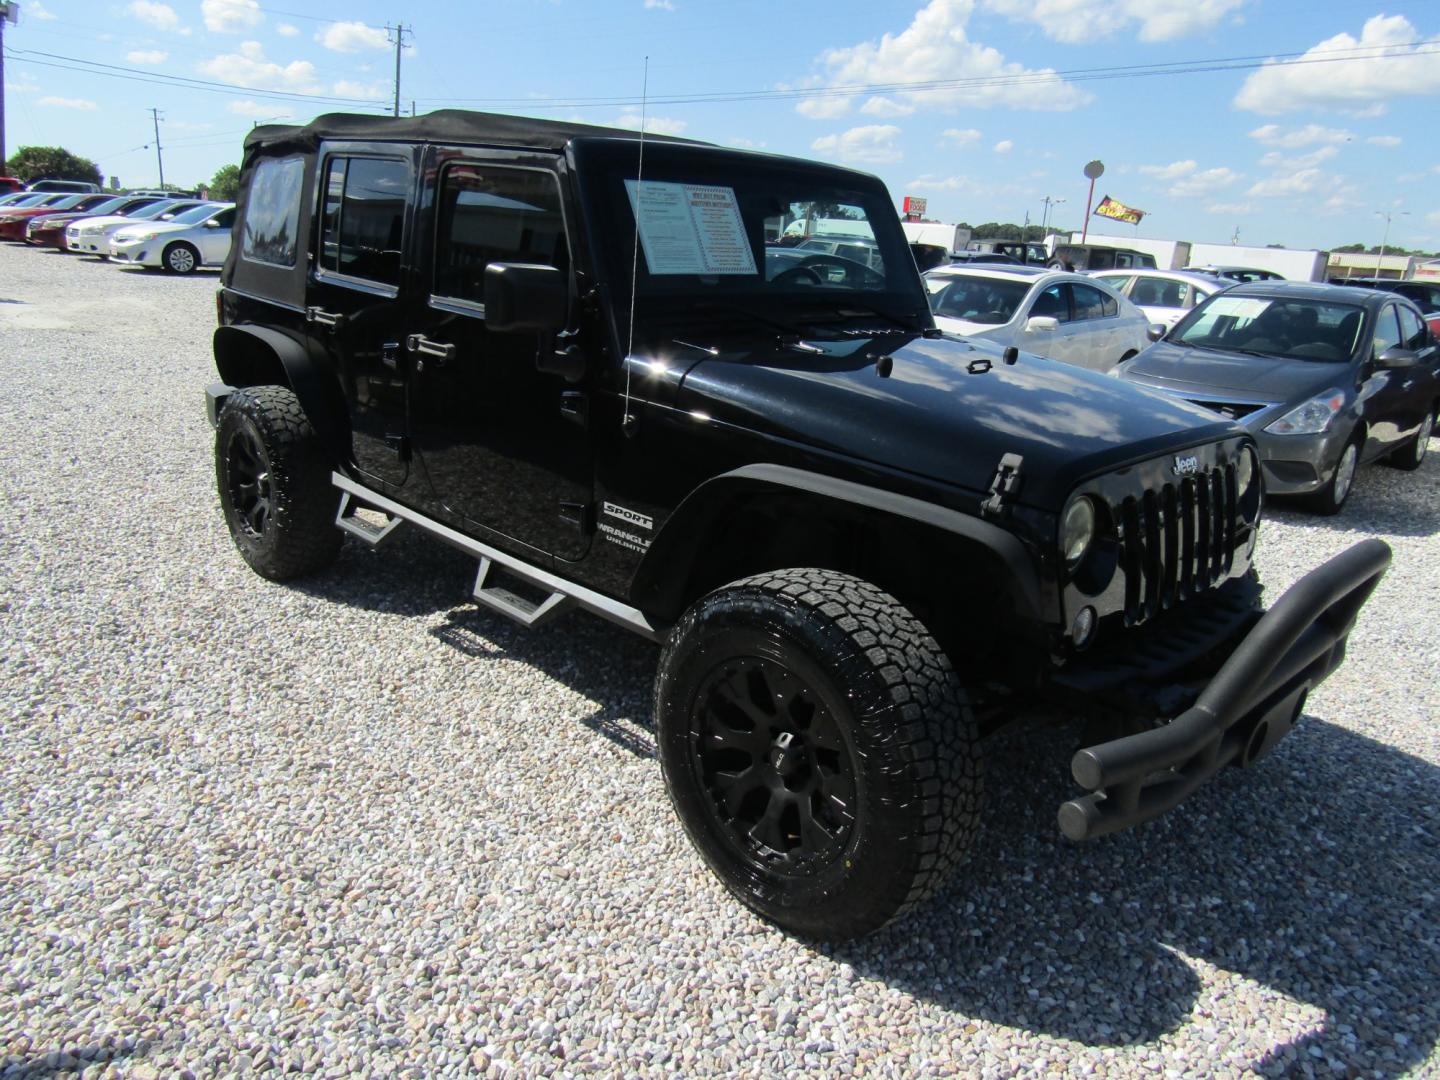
x: 194, y: 215
x: 991, y: 301
x: 1290, y: 329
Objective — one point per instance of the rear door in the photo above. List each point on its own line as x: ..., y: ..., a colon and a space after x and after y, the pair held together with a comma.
x: 357, y: 299
x: 504, y: 445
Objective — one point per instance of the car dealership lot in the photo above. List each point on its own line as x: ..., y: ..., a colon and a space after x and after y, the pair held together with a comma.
x: 360, y: 823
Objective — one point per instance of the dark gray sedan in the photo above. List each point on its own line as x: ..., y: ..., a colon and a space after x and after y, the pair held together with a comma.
x: 1325, y: 377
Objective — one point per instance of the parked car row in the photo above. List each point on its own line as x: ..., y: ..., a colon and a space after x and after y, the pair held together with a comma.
x: 179, y: 235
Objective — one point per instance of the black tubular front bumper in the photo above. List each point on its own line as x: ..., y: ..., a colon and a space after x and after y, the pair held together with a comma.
x: 1250, y: 704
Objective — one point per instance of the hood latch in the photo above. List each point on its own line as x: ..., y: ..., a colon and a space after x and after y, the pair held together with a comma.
x: 1004, y: 485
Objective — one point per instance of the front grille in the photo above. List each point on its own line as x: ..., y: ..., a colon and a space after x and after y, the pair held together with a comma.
x: 1234, y: 410
x: 1176, y: 540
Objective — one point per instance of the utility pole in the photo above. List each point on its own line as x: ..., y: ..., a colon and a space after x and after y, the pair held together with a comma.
x: 9, y: 12
x: 399, y: 41
x: 159, y: 160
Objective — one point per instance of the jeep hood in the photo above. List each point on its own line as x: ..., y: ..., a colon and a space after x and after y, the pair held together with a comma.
x: 948, y: 409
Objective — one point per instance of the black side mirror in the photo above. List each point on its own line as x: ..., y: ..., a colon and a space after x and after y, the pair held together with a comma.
x: 1397, y: 356
x: 526, y: 296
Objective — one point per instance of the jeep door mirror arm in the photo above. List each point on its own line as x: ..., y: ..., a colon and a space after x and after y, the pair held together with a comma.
x: 532, y: 296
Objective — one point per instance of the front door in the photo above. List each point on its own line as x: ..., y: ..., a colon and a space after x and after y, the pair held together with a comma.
x: 504, y: 445
x: 357, y: 298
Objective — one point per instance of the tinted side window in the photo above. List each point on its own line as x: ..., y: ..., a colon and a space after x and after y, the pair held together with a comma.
x: 1412, y: 330
x: 272, y: 212
x: 225, y: 218
x: 494, y: 215
x: 1091, y: 303
x: 364, y: 218
x: 1387, y: 330
x: 1052, y: 302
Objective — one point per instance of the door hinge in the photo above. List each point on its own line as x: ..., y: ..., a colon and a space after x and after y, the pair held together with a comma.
x: 1004, y: 485
x: 400, y: 444
x: 579, y: 514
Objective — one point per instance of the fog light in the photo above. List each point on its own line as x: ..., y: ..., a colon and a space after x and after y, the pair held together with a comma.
x: 1083, y: 628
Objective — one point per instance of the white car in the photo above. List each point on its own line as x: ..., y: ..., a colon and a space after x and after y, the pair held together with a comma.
x: 91, y: 236
x: 1165, y: 296
x: 1054, y: 313
x: 182, y: 245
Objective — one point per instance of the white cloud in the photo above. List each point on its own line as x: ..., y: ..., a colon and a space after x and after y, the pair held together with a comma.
x: 1433, y: 217
x: 284, y: 29
x: 375, y: 91
x: 349, y: 37
x: 933, y: 47
x: 886, y: 108
x: 249, y: 67
x: 959, y: 137
x: 151, y: 56
x: 870, y: 144
x: 1077, y: 21
x: 1384, y: 140
x: 160, y: 16
x: 1004, y: 146
x: 1309, y: 135
x: 231, y: 16
x: 654, y: 125
x: 21, y: 84
x: 1299, y: 183
x: 260, y: 110
x: 36, y: 10
x: 1230, y: 208
x: 1279, y: 162
x: 659, y: 5
x: 1393, y: 65
x: 1173, y: 171
x: 83, y: 104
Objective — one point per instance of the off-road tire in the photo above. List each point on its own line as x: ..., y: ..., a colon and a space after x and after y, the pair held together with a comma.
x: 274, y: 482
x: 875, y: 675
x: 180, y: 258
x: 1331, y: 498
x: 1412, y: 455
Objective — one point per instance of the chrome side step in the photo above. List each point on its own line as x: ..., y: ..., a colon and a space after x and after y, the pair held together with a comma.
x: 522, y: 609
x: 560, y: 593
x: 371, y: 534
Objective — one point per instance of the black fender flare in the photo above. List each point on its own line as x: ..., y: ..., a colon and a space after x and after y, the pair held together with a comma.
x: 257, y: 355
x: 656, y: 586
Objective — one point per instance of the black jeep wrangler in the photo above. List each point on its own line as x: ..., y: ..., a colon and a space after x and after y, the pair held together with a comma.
x: 863, y: 544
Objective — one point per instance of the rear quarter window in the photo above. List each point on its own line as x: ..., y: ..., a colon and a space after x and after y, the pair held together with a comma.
x: 272, y: 212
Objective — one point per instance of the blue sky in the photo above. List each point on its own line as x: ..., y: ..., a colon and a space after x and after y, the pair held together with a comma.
x: 1314, y: 119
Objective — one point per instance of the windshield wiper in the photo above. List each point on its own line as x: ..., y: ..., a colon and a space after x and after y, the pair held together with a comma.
x: 846, y: 306
x: 739, y: 309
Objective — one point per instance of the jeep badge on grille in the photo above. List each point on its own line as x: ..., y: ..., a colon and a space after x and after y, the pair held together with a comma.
x: 1186, y: 466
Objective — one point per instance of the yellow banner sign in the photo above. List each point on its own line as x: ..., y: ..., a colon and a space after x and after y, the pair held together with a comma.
x: 1119, y: 211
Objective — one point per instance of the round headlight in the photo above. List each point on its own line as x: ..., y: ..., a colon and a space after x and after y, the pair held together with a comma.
x: 1245, y: 470
x: 1077, y: 530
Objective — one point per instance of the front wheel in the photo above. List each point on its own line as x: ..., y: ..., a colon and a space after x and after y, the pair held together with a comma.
x: 1329, y: 499
x: 818, y: 749
x: 180, y: 259
x: 274, y: 481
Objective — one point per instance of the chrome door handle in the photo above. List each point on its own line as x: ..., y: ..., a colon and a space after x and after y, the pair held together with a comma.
x: 419, y: 343
x: 323, y: 317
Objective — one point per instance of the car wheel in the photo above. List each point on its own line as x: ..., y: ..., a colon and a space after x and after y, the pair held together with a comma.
x: 274, y: 482
x: 818, y: 749
x: 1057, y: 264
x: 180, y: 259
x: 1410, y: 456
x: 1329, y: 499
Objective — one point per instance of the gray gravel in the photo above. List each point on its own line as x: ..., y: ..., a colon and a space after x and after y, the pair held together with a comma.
x: 359, y: 826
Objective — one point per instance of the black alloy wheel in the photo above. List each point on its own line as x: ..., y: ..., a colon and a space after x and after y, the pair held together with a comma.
x: 249, y: 478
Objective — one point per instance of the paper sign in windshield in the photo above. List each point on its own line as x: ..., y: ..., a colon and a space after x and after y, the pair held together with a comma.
x: 1241, y: 307
x: 690, y: 228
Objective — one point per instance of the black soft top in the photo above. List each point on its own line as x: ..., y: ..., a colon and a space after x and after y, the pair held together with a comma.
x: 442, y: 126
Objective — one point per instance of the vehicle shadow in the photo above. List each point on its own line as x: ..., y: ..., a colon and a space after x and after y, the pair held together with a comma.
x: 411, y: 574
x: 1255, y: 876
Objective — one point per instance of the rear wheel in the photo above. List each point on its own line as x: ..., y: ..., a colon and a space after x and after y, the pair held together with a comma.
x: 180, y: 259
x: 818, y: 749
x: 1410, y: 456
x: 274, y: 481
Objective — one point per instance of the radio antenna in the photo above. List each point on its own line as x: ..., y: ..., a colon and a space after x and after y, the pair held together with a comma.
x: 627, y: 422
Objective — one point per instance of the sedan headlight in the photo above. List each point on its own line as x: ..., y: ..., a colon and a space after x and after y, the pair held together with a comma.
x: 141, y: 237
x: 1077, y: 531
x: 1311, y: 418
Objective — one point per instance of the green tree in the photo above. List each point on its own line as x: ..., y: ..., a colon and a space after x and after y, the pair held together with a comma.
x: 225, y: 184
x: 52, y: 163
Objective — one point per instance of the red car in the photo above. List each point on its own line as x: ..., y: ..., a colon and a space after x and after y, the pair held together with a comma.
x: 10, y: 183
x: 48, y: 230
x: 13, y: 222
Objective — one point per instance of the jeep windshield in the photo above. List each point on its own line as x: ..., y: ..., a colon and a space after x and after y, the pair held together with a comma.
x: 708, y: 231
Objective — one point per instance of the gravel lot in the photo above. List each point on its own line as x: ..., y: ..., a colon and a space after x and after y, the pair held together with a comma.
x: 360, y: 826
